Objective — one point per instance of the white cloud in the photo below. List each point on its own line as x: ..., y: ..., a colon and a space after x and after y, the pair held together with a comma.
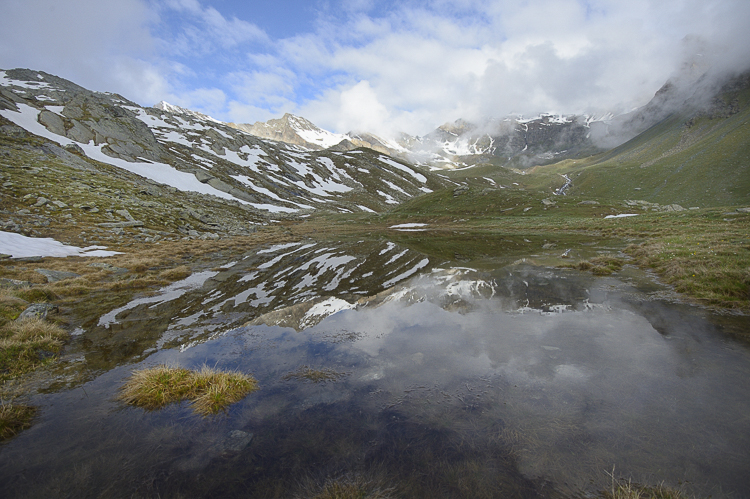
x: 426, y: 65
x: 101, y: 44
x: 381, y: 66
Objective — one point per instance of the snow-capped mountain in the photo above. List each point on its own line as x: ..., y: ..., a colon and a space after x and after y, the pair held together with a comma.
x: 192, y: 152
x: 514, y: 141
x: 292, y: 130
x: 166, y: 106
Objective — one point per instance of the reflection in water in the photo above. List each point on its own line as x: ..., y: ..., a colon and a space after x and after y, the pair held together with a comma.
x: 517, y: 381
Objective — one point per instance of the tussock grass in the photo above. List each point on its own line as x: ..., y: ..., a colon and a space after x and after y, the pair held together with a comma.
x: 176, y: 273
x: 14, y: 418
x: 626, y: 489
x: 27, y: 344
x: 315, y: 375
x: 10, y: 305
x: 210, y: 390
x: 600, y: 265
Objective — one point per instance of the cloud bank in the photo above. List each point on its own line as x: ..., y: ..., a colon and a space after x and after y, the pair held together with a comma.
x: 379, y: 66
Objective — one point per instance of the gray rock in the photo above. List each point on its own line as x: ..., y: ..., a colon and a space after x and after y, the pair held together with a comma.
x: 589, y: 202
x: 40, y: 201
x: 14, y: 283
x: 548, y: 202
x: 125, y: 214
x: 202, y: 176
x: 37, y: 310
x: 134, y: 223
x: 59, y: 204
x: 80, y: 133
x: 108, y: 266
x: 57, y: 275
x: 461, y: 189
x: 53, y: 122
x: 74, y: 148
x: 29, y: 259
x: 672, y: 207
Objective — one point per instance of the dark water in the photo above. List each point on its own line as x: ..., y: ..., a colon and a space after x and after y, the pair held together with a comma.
x: 494, y: 377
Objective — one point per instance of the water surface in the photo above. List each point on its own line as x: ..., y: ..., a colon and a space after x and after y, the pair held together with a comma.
x: 498, y: 375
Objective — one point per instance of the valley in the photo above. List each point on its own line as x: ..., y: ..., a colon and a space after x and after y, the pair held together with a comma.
x: 372, y: 260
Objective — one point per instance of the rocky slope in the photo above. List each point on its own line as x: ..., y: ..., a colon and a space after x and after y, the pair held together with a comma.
x: 172, y: 148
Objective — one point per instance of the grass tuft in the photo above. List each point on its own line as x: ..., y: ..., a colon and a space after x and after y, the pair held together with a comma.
x: 27, y: 344
x: 176, y: 273
x: 622, y: 489
x: 14, y: 418
x: 210, y: 390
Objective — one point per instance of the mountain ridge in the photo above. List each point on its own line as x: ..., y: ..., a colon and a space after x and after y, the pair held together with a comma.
x: 190, y: 151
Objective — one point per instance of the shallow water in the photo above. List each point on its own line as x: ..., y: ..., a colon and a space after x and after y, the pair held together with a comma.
x: 498, y: 376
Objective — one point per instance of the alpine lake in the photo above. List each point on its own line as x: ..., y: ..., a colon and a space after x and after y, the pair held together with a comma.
x: 493, y: 372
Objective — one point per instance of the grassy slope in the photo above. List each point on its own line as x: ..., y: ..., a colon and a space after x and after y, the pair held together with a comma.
x: 705, y: 164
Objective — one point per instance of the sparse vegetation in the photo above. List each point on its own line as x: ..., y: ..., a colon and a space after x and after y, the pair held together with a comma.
x: 14, y: 418
x: 211, y: 391
x: 626, y: 489
x: 27, y: 344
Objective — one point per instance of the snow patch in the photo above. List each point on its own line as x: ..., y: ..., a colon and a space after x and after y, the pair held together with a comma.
x: 623, y: 215
x: 18, y: 246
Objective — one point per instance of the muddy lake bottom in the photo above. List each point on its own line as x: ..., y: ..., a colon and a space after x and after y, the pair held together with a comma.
x: 502, y: 376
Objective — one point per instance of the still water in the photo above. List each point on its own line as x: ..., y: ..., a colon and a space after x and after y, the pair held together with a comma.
x: 499, y: 375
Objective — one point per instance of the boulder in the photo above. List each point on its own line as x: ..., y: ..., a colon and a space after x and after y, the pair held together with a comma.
x: 37, y: 310
x: 52, y: 122
x: 57, y: 275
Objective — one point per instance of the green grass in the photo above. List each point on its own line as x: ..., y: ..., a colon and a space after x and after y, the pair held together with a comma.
x: 601, y: 265
x: 211, y: 391
x: 704, y: 164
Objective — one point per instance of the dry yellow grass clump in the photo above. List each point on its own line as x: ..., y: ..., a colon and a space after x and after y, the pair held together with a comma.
x: 26, y: 344
x: 14, y: 418
x: 210, y: 390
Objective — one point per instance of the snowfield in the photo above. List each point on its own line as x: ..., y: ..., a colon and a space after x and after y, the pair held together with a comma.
x: 19, y: 246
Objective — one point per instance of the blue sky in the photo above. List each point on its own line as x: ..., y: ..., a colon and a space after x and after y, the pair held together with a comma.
x: 378, y: 66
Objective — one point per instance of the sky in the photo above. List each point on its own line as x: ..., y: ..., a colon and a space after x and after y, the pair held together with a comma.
x: 378, y: 66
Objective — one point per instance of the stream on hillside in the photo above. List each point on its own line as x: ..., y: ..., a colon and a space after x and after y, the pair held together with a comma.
x: 491, y: 372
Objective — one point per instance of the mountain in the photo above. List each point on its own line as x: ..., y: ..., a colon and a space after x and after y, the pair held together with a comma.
x: 299, y: 131
x: 292, y: 129
x: 186, y: 151
x: 166, y: 106
x: 694, y: 149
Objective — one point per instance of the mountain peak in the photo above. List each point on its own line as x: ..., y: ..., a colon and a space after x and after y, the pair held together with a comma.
x: 292, y: 129
x: 171, y: 108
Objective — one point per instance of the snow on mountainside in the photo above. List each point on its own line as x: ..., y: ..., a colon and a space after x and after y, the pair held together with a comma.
x: 190, y: 151
x: 166, y: 106
x: 515, y: 141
